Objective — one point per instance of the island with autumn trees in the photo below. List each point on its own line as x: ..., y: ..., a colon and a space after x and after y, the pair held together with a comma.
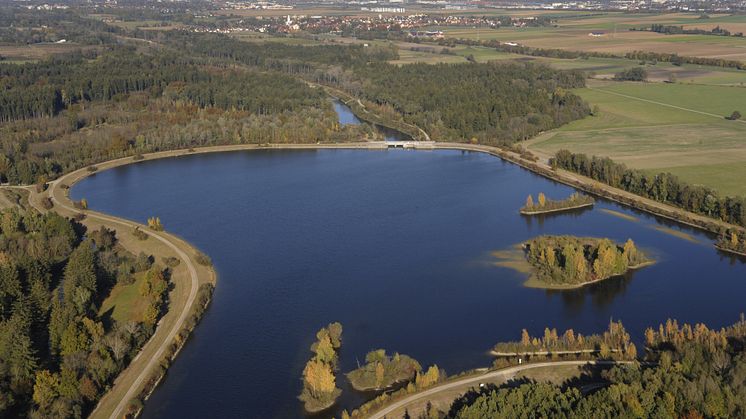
x: 571, y: 262
x: 543, y: 205
x: 320, y: 390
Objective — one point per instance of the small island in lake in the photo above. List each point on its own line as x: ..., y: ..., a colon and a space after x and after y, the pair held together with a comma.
x: 732, y: 243
x: 571, y: 262
x: 382, y: 371
x: 320, y: 390
x: 544, y: 205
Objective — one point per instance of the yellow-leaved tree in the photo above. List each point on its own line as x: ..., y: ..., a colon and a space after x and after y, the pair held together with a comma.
x: 379, y: 374
x: 542, y: 199
x: 319, y: 378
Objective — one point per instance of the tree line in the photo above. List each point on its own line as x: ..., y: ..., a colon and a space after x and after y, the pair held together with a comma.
x: 663, y: 187
x: 615, y: 341
x: 680, y: 30
x: 544, y: 204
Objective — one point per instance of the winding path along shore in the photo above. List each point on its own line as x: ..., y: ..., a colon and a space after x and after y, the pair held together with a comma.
x: 189, y: 275
x: 397, y: 409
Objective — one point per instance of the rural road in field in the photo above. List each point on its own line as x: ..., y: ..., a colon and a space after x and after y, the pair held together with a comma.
x: 480, y: 378
x: 194, y: 283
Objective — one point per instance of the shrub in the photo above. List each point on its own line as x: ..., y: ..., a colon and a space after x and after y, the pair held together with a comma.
x: 139, y: 234
x: 46, y: 203
x: 735, y: 116
x: 171, y: 261
x: 138, y: 157
x: 154, y: 223
x: 91, y: 168
x: 632, y: 74
x: 203, y: 259
x: 143, y: 262
x: 82, y: 204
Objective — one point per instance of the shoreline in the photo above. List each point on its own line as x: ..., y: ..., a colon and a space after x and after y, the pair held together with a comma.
x: 70, y: 179
x: 549, y: 211
x: 533, y: 282
x: 730, y: 251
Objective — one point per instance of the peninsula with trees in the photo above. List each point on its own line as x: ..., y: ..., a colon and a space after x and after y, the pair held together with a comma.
x: 614, y: 343
x: 543, y: 205
x: 571, y: 262
x: 382, y: 371
x: 732, y: 242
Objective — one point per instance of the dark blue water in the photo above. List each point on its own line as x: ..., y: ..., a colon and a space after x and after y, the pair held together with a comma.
x: 394, y: 245
x: 346, y: 117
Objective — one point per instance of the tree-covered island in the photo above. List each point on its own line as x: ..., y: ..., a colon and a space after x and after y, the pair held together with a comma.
x: 543, y: 205
x: 383, y: 371
x: 320, y: 389
x: 570, y: 262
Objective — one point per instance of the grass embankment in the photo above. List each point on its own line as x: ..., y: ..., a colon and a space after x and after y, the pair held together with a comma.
x: 657, y: 127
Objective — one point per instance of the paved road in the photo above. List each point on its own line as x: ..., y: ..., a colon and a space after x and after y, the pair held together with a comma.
x: 507, y: 372
x: 194, y: 284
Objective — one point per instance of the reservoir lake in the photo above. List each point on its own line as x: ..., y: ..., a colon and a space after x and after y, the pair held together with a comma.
x: 395, y: 245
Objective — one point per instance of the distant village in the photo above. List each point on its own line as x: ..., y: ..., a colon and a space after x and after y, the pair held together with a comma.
x: 414, y: 25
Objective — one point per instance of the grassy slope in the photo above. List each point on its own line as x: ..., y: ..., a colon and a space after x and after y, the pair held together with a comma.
x: 699, y: 148
x: 125, y: 302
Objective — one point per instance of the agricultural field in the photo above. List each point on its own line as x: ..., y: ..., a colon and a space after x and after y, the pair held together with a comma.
x: 661, y: 127
x: 614, y: 36
x: 24, y: 53
x: 603, y: 68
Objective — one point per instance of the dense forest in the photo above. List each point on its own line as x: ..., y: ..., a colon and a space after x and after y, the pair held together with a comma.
x: 695, y: 372
x: 663, y: 187
x: 569, y: 260
x: 58, y: 352
x: 492, y: 103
